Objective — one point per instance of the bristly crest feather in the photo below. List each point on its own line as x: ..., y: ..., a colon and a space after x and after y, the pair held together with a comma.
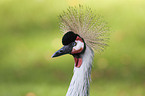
x: 84, y: 22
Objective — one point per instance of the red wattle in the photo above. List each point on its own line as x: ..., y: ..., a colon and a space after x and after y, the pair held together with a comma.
x: 78, y: 62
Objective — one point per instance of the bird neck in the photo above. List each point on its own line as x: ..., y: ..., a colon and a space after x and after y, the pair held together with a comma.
x: 80, y: 82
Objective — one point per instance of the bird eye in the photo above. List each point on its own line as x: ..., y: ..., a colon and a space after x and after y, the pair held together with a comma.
x: 75, y: 43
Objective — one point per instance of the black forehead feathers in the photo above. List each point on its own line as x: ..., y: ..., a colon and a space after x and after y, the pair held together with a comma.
x: 69, y: 37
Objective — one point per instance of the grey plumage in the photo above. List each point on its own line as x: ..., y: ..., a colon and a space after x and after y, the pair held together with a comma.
x: 80, y: 83
x: 83, y: 31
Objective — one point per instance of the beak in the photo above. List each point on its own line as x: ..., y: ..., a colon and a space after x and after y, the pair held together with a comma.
x: 66, y: 49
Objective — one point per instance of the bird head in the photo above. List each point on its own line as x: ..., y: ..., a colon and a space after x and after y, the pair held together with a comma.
x: 74, y: 45
x: 87, y: 28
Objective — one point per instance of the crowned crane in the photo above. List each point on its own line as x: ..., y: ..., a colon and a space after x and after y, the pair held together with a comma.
x: 83, y: 30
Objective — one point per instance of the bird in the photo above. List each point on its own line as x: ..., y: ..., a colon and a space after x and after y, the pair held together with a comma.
x: 85, y: 32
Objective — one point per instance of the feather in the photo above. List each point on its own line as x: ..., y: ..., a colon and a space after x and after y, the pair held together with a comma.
x: 80, y: 83
x: 90, y: 26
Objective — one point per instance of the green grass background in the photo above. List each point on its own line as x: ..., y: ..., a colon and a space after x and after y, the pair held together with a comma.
x: 29, y: 35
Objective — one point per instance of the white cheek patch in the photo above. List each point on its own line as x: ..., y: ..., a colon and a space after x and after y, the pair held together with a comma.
x: 79, y: 45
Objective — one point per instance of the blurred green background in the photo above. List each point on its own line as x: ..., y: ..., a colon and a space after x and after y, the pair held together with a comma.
x: 29, y: 35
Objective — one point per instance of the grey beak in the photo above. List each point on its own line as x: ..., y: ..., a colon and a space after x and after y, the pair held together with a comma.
x: 66, y: 49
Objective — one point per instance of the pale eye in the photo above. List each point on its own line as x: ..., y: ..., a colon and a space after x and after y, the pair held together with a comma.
x: 75, y: 43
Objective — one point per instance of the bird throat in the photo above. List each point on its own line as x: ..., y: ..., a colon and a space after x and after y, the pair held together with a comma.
x: 79, y: 85
x: 78, y: 62
x: 78, y: 57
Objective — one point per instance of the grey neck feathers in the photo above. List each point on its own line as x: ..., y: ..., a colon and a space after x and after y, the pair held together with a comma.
x: 80, y: 82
